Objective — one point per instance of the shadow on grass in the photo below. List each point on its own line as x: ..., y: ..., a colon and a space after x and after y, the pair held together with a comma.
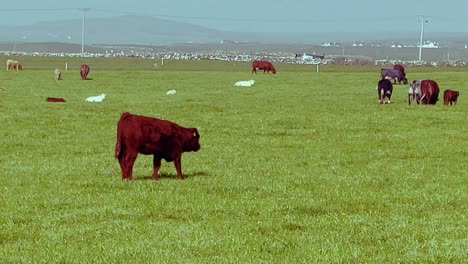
x: 171, y: 176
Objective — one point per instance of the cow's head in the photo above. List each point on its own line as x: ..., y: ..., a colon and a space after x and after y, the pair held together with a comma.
x: 414, y: 92
x: 192, y: 141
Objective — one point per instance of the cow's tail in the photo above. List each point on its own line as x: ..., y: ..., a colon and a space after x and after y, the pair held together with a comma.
x: 119, y: 145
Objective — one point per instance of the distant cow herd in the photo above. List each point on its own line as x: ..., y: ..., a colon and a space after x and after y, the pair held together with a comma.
x: 138, y: 134
x: 421, y: 91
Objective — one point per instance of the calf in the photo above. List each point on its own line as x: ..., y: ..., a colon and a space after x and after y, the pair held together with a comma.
x: 450, y: 96
x: 384, y: 89
x: 151, y: 136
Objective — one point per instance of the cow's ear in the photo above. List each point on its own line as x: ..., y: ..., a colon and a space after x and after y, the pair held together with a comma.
x: 194, y: 132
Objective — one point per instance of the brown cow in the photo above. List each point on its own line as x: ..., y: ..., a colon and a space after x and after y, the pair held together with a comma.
x: 55, y: 100
x: 150, y: 136
x: 400, y: 68
x: 424, y: 92
x: 450, y: 96
x: 84, y: 70
x: 266, y: 66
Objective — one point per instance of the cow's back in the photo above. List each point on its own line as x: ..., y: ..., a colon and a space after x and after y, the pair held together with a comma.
x: 146, y: 135
x: 431, y: 90
x: 400, y: 68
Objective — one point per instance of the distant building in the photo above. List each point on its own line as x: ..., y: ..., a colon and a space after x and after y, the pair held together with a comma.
x: 358, y: 44
x: 330, y: 44
x: 228, y: 41
x: 399, y: 45
x: 430, y: 44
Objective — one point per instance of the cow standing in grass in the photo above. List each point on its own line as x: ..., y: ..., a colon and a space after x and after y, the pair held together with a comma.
x: 384, y: 89
x: 450, y: 96
x: 13, y: 65
x: 151, y: 136
x: 84, y: 71
x: 396, y: 75
x: 266, y: 66
x: 58, y: 74
x: 424, y: 92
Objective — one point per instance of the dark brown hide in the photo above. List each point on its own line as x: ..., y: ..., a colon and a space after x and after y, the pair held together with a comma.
x: 400, y: 68
x: 55, y: 100
x: 84, y: 71
x: 151, y: 136
x: 450, y: 96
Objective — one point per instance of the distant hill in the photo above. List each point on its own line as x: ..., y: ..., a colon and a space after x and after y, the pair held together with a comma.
x: 147, y: 30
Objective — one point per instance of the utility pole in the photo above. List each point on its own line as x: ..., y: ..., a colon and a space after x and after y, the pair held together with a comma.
x: 423, y: 20
x: 84, y: 10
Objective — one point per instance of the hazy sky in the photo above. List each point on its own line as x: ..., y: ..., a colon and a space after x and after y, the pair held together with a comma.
x: 259, y: 15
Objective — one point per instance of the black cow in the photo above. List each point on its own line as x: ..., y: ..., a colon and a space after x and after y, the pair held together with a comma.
x: 384, y: 89
x: 396, y: 75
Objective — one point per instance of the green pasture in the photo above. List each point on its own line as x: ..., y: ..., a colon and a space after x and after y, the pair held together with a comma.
x: 304, y: 167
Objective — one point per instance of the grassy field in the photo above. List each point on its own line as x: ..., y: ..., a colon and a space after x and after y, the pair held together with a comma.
x: 303, y: 167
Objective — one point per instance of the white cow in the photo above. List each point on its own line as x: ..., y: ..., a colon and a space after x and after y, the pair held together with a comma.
x: 245, y: 83
x: 58, y: 74
x: 97, y: 98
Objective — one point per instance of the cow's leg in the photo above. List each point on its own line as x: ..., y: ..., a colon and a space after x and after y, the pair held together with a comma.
x: 126, y: 164
x: 178, y: 166
x: 156, y: 167
x: 379, y: 91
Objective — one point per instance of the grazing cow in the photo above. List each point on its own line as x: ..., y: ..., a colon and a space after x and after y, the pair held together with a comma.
x: 450, y: 96
x: 423, y: 91
x: 396, y: 75
x: 384, y: 89
x: 400, y: 68
x: 245, y: 83
x: 84, y: 70
x: 97, y: 98
x: 13, y: 65
x: 266, y: 66
x: 150, y: 136
x: 58, y: 74
x: 55, y: 100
